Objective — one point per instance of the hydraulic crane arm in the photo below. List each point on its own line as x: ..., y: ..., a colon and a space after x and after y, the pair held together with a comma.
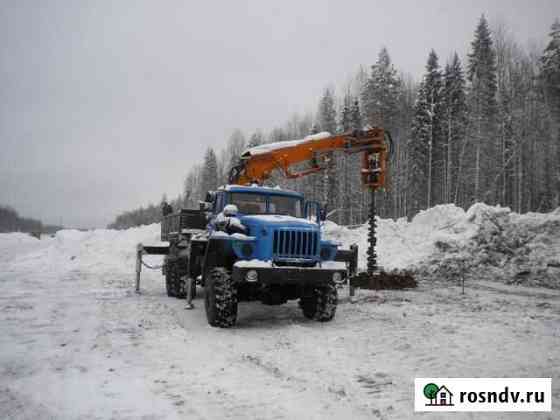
x: 257, y: 164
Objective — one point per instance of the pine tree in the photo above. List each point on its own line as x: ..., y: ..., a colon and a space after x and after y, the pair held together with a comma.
x: 483, y: 108
x: 454, y: 123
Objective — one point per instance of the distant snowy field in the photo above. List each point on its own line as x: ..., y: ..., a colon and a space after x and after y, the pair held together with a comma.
x: 77, y: 342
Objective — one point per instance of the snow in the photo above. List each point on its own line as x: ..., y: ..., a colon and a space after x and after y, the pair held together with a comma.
x: 253, y: 264
x: 219, y: 234
x: 265, y: 188
x: 326, y: 265
x: 333, y: 265
x: 230, y: 210
x: 77, y: 342
x: 280, y: 219
x: 270, y: 147
x: 242, y: 237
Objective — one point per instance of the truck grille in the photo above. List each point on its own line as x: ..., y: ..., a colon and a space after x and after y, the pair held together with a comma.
x: 292, y: 243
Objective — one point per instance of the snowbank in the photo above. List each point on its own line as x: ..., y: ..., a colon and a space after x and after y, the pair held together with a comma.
x: 105, y: 249
x: 485, y: 242
x: 442, y: 243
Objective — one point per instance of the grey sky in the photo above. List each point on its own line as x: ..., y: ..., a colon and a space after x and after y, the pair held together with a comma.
x: 105, y: 104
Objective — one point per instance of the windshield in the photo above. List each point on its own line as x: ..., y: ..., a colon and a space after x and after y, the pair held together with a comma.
x: 248, y: 203
x: 281, y: 204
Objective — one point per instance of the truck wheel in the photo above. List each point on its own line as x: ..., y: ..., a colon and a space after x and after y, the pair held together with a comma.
x: 170, y: 280
x: 220, y: 298
x: 173, y: 282
x: 321, y: 305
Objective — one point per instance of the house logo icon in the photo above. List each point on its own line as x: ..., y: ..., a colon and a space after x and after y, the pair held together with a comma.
x: 439, y: 396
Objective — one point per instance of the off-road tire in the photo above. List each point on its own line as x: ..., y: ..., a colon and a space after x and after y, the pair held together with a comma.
x: 321, y: 304
x: 220, y: 298
x: 173, y: 283
x: 170, y: 280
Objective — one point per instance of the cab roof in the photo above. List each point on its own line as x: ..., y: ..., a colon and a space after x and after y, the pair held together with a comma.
x: 258, y: 189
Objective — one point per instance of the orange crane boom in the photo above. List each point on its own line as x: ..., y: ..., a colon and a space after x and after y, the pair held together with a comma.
x: 257, y: 164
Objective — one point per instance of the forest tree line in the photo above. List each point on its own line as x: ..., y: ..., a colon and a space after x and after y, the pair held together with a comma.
x: 11, y: 221
x: 485, y: 128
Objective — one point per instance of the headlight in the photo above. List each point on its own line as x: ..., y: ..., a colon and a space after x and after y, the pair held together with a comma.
x: 247, y: 250
x: 251, y: 276
x: 337, y: 277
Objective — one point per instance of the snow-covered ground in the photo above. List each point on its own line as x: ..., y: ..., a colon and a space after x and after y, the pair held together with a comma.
x: 77, y: 342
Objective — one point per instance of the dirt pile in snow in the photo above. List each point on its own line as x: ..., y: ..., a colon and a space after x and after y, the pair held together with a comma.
x: 484, y: 242
x: 506, y: 246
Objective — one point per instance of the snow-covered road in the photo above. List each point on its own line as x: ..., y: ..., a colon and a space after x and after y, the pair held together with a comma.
x: 77, y: 342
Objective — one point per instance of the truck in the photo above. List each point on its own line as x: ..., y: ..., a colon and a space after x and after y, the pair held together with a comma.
x: 252, y: 242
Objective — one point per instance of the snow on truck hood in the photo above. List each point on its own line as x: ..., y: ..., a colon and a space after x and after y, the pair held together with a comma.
x: 276, y: 219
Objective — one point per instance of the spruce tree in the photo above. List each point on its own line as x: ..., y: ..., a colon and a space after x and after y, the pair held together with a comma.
x: 483, y: 109
x: 235, y: 147
x: 358, y: 202
x: 356, y: 116
x: 256, y: 139
x: 418, y: 152
x: 327, y: 121
x: 346, y: 192
x: 453, y: 123
x: 550, y: 66
x: 209, y: 181
x: 346, y: 114
x: 380, y: 102
x: 381, y: 92
x: 550, y: 75
x: 426, y: 143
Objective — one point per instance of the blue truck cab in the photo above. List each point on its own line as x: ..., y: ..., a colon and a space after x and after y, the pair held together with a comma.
x: 265, y: 244
x: 277, y: 226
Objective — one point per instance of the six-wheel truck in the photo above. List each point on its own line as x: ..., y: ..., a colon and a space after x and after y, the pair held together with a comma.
x: 253, y: 243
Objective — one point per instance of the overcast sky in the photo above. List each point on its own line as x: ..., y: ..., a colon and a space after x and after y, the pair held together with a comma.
x: 106, y: 104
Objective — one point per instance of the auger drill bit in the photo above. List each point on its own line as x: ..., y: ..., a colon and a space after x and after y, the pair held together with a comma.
x: 372, y: 256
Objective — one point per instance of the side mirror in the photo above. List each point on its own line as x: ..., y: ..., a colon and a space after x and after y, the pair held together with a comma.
x: 312, y: 210
x: 323, y: 214
x: 210, y: 196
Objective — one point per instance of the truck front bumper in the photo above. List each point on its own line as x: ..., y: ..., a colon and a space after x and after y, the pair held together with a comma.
x: 289, y: 275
